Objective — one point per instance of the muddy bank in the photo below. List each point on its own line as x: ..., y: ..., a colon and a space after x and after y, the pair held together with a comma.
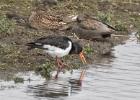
x: 16, y: 32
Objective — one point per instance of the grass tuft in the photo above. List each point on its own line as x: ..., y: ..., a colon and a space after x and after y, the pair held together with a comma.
x: 18, y: 80
x: 6, y: 26
x: 105, y: 17
x: 46, y: 69
x: 88, y: 49
x: 120, y: 26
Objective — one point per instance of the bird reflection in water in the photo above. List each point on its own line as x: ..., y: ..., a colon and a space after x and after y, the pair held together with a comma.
x: 55, y: 88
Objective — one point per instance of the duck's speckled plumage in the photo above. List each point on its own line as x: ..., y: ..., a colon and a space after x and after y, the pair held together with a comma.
x: 42, y: 20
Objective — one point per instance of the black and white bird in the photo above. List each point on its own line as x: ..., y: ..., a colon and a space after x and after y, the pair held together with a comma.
x: 57, y: 47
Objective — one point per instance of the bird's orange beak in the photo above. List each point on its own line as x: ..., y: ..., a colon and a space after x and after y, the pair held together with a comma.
x: 82, y: 57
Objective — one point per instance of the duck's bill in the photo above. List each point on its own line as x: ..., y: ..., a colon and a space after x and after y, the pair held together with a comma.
x: 82, y: 57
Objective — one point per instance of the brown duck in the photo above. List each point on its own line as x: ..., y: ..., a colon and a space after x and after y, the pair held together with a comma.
x: 87, y: 27
x: 42, y: 20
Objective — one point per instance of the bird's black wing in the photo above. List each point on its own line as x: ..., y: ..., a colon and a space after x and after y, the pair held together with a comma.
x: 58, y: 41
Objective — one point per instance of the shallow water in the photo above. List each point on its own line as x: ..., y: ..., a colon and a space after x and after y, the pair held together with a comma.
x: 112, y: 78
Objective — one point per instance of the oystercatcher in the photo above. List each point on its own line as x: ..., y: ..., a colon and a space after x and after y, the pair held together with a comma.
x: 57, y: 47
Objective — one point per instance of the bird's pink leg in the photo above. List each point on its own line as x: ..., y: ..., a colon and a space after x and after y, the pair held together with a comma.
x: 60, y: 65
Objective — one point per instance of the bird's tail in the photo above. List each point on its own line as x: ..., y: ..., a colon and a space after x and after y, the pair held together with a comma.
x: 30, y: 45
x: 33, y: 45
x: 111, y: 27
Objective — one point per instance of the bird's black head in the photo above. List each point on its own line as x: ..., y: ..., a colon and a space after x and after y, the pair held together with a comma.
x: 76, y: 48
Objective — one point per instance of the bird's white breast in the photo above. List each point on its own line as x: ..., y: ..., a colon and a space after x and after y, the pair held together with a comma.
x: 56, y: 51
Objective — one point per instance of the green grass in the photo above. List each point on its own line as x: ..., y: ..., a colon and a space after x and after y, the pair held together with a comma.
x: 88, y: 49
x: 6, y: 26
x: 120, y: 26
x: 21, y: 6
x: 105, y: 17
x: 46, y: 69
x: 18, y: 80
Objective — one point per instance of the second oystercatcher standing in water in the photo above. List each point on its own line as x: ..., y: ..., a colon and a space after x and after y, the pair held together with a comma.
x: 57, y: 47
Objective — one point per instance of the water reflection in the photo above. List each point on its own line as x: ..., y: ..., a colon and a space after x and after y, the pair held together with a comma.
x: 55, y: 88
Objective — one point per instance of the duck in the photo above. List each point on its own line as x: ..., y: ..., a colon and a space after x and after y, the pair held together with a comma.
x: 58, y: 47
x: 88, y: 27
x: 40, y: 19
